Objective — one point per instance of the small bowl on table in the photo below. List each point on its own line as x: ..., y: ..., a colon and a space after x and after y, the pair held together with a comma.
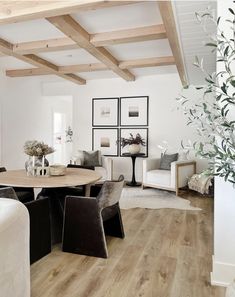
x: 57, y: 169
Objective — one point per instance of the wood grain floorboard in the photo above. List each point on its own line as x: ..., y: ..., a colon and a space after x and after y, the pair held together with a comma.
x: 166, y: 253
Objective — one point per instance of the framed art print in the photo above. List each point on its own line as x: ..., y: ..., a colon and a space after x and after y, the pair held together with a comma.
x: 105, y: 112
x: 125, y: 133
x: 134, y: 111
x: 105, y: 140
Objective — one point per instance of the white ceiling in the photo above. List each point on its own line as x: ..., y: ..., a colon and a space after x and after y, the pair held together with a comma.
x: 115, y: 18
x: 193, y: 38
x: 120, y: 17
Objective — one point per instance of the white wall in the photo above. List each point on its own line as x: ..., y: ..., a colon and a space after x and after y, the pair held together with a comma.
x: 26, y: 115
x: 165, y: 122
x: 224, y: 218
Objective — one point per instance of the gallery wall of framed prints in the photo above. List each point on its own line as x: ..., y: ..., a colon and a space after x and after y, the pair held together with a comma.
x: 117, y: 117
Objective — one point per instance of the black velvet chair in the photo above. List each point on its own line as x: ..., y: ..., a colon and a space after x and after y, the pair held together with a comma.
x: 88, y: 219
x: 95, y: 189
x: 23, y: 194
x: 40, y: 232
x: 56, y: 201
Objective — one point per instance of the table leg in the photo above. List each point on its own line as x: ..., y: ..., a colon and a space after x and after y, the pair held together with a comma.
x: 133, y: 182
x: 88, y: 190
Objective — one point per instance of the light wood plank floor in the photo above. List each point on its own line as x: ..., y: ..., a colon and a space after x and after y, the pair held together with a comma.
x: 166, y: 253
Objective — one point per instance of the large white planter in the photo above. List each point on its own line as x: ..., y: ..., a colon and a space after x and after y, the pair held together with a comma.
x: 134, y: 149
x: 223, y: 271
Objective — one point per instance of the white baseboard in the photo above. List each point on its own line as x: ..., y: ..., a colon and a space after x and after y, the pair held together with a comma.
x: 222, y: 273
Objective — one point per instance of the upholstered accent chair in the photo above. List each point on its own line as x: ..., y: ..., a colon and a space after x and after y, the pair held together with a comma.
x: 95, y: 189
x: 171, y: 180
x: 40, y: 232
x: 23, y: 194
x: 14, y: 249
x: 105, y: 169
x: 87, y: 220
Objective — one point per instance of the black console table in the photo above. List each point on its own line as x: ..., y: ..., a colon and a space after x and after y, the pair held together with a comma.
x: 133, y: 182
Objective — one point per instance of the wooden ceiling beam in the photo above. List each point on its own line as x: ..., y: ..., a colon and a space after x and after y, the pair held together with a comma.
x: 73, y: 30
x: 140, y: 63
x: 99, y: 39
x: 128, y: 35
x: 167, y: 14
x: 18, y: 11
x: 7, y: 48
x: 49, y: 45
x: 147, y: 62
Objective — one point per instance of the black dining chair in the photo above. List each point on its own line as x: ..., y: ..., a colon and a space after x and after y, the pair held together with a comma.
x: 56, y: 204
x: 40, y: 231
x: 87, y: 220
x: 24, y: 194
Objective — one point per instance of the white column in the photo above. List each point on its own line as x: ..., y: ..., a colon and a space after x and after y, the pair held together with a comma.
x: 223, y: 270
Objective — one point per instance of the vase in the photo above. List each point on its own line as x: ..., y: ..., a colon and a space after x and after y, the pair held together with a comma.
x: 33, y: 162
x: 134, y: 149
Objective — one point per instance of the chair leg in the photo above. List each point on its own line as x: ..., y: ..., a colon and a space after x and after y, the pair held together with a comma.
x: 40, y: 231
x: 114, y: 225
x: 83, y: 231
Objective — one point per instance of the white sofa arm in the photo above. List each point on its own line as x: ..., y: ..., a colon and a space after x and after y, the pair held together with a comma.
x: 150, y: 164
x: 181, y: 171
x: 107, y: 163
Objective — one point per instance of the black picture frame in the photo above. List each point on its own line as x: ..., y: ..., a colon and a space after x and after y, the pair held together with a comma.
x: 126, y: 135
x: 115, y: 143
x: 134, y: 122
x: 98, y: 122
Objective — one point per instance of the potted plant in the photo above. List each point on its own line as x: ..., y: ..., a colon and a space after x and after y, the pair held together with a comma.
x: 134, y: 143
x: 211, y: 111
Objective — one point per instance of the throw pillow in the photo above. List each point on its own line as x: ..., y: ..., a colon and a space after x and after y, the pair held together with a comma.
x: 80, y: 157
x: 91, y: 158
x: 166, y: 160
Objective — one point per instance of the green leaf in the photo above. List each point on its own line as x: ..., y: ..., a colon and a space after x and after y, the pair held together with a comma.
x: 232, y: 82
x: 211, y: 44
x: 226, y: 51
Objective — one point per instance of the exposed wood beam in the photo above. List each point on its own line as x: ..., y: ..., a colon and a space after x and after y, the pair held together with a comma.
x: 83, y: 68
x: 72, y: 29
x: 28, y: 72
x: 98, y: 39
x: 130, y: 35
x: 147, y: 62
x: 49, y: 45
x: 167, y: 14
x: 7, y: 48
x: 18, y: 11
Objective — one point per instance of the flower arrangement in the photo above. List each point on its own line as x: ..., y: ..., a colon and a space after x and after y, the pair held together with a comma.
x: 132, y: 140
x: 37, y: 148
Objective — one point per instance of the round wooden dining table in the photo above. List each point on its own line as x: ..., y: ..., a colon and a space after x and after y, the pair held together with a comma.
x: 73, y: 177
x: 52, y: 188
